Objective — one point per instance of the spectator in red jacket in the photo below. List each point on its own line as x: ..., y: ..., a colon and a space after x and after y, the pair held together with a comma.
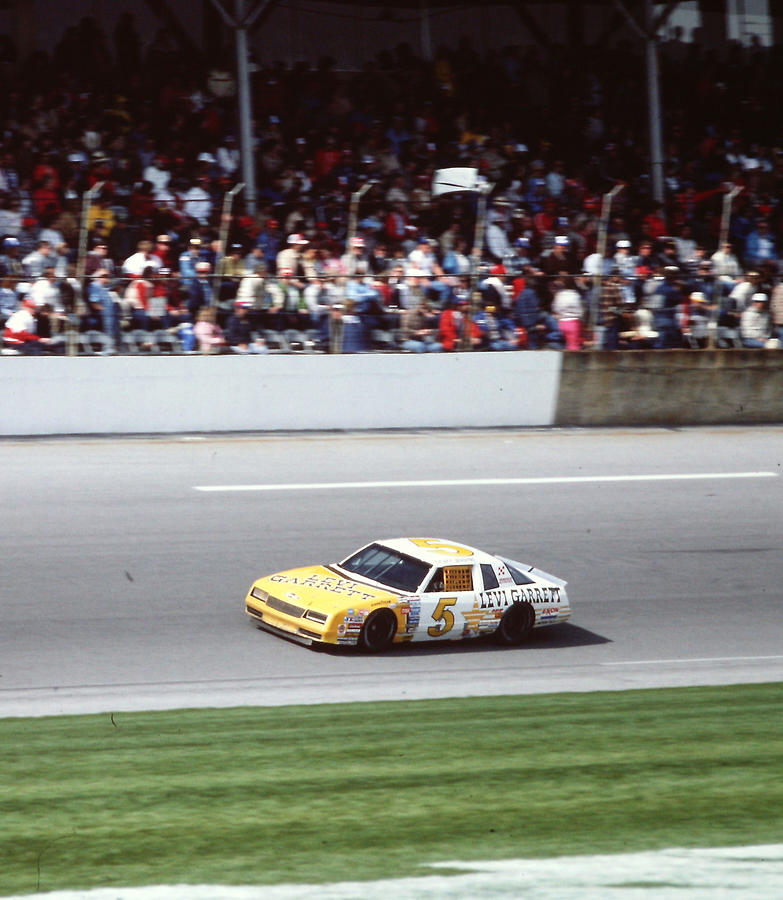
x: 21, y: 331
x: 654, y: 224
x: 455, y: 325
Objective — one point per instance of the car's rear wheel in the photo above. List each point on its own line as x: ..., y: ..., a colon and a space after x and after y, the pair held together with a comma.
x: 378, y: 631
x: 516, y: 624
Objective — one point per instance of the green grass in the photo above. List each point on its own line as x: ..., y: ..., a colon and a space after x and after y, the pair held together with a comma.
x: 373, y: 790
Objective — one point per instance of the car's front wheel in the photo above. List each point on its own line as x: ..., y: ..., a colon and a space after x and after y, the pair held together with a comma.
x: 378, y: 631
x: 516, y: 624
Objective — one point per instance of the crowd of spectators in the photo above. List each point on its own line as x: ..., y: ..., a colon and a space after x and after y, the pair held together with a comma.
x: 152, y: 131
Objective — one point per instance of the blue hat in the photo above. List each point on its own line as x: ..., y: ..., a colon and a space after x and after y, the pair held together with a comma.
x: 522, y: 242
x: 10, y: 242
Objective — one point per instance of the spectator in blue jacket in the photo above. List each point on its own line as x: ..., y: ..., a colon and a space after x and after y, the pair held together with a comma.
x: 101, y: 297
x: 527, y: 314
x: 760, y: 245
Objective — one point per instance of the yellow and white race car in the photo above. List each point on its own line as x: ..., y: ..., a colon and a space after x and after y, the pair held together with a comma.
x: 408, y: 589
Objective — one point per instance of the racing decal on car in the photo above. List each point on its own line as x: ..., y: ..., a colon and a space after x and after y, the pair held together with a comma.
x: 551, y: 612
x: 443, y: 547
x: 413, y: 616
x: 326, y: 583
x: 474, y: 619
x: 348, y: 630
x: 504, y: 576
x: 443, y: 617
x: 501, y: 597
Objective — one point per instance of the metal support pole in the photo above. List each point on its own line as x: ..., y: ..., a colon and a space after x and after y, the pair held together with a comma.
x: 245, y: 109
x: 649, y: 35
x: 426, y: 38
x: 654, y: 106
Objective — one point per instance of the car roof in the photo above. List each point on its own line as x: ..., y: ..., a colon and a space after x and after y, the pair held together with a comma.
x: 426, y: 549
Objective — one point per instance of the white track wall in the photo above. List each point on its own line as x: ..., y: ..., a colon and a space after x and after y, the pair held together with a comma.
x: 170, y: 394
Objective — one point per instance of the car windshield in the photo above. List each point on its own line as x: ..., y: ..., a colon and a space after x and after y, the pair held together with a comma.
x: 387, y: 567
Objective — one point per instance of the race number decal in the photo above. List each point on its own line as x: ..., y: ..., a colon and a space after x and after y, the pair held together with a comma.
x: 444, y: 616
x: 441, y: 547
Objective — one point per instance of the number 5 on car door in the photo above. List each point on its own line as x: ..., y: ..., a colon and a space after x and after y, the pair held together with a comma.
x: 444, y: 617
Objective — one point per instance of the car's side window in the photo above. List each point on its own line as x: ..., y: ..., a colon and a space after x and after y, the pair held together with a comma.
x: 518, y: 577
x: 451, y: 578
x: 458, y: 578
x: 489, y: 576
x: 436, y: 583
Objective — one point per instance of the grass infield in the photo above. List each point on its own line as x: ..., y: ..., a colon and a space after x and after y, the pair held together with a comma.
x: 372, y: 790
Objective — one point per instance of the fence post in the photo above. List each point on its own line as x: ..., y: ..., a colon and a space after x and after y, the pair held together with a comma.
x: 725, y: 219
x: 71, y: 346
x: 353, y: 211
x: 603, y: 228
x: 225, y: 219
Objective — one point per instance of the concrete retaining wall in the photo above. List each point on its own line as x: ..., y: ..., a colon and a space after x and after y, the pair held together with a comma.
x: 165, y: 394
x: 671, y: 387
x: 169, y: 394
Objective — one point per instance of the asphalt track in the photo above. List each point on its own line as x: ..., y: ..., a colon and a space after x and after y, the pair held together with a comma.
x: 122, y: 580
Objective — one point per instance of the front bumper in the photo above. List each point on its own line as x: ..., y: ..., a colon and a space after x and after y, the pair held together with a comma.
x: 287, y: 619
x: 298, y: 637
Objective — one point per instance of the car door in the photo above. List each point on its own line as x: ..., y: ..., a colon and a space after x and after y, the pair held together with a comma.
x: 445, y: 599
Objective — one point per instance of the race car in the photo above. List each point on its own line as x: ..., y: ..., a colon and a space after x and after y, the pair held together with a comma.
x: 408, y: 590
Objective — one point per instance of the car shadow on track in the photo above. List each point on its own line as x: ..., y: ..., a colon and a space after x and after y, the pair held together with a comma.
x: 559, y: 637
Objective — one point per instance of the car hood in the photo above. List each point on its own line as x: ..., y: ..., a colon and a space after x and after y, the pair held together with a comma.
x: 322, y: 588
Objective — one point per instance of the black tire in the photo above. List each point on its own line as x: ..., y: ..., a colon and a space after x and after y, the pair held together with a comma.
x: 378, y: 631
x: 515, y: 626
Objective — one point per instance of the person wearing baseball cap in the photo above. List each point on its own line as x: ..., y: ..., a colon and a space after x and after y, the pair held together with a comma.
x: 289, y: 258
x: 755, y: 326
x: 199, y: 289
x: 560, y: 260
x: 354, y: 261
x: 187, y: 261
x: 695, y: 318
x: 623, y: 261
x: 21, y: 330
x: 10, y: 261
